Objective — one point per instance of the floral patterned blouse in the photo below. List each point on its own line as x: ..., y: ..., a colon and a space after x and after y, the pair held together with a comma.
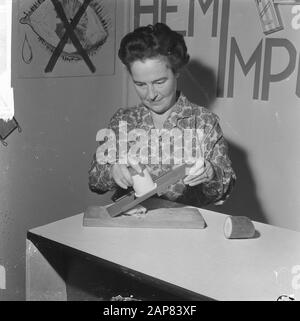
x: 185, y: 115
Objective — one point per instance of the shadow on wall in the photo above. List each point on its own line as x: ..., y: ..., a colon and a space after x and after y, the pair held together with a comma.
x: 243, y: 200
x: 199, y: 85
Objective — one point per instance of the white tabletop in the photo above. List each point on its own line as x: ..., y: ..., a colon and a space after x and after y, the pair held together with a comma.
x: 199, y: 260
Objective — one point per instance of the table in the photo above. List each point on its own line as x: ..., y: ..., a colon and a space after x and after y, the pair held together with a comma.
x: 191, y: 264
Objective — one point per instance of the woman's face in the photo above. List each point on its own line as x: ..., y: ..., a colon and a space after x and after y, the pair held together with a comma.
x: 155, y: 83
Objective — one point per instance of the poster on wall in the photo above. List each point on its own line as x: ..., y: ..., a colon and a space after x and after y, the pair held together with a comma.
x: 66, y: 38
x: 8, y: 122
x: 6, y: 92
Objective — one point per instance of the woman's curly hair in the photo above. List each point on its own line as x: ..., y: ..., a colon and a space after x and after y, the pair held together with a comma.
x: 152, y: 41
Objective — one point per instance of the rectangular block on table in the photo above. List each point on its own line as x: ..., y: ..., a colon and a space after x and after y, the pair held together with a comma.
x: 183, y: 217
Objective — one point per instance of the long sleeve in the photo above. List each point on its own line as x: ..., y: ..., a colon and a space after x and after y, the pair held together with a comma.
x: 216, y: 152
x: 100, y: 180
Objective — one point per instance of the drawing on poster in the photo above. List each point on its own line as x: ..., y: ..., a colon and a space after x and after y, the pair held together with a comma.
x: 269, y: 16
x: 68, y: 31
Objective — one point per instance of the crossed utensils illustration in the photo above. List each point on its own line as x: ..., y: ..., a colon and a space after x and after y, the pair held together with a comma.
x: 69, y: 33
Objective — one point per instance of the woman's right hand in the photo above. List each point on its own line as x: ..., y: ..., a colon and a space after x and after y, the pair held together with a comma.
x: 121, y: 175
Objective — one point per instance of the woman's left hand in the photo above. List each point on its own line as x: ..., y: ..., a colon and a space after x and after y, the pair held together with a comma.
x: 200, y: 172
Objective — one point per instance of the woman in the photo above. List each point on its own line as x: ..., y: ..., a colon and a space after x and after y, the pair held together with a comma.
x: 154, y: 56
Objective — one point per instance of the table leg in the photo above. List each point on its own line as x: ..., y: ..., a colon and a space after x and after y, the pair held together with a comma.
x: 43, y: 282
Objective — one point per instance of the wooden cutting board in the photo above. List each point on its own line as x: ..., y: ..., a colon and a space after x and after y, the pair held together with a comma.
x: 179, y: 217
